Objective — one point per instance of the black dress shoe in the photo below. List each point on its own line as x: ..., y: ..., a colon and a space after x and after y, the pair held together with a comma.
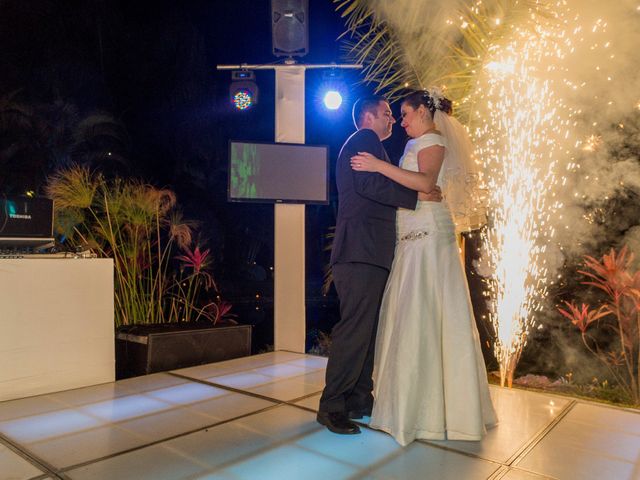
x: 358, y: 414
x: 337, y: 422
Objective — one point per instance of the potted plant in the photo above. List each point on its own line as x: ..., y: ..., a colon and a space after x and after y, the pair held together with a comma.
x: 168, y: 311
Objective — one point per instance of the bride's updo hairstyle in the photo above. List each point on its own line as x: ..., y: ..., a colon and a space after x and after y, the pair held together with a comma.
x: 432, y: 102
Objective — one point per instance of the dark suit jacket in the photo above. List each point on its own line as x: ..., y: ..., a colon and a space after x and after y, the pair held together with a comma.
x: 367, y: 202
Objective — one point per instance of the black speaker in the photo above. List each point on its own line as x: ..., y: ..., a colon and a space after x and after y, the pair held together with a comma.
x: 290, y: 27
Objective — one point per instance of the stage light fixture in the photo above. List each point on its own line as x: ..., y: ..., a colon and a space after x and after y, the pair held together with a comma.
x: 332, y: 99
x: 243, y: 91
x: 333, y: 89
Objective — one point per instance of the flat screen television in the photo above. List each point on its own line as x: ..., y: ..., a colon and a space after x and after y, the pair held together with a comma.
x: 278, y: 173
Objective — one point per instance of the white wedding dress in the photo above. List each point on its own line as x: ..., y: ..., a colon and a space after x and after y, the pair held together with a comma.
x: 430, y: 380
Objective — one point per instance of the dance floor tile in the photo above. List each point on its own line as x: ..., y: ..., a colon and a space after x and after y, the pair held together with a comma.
x: 422, y: 461
x: 123, y: 408
x: 287, y: 390
x: 26, y: 407
x: 283, y: 423
x: 153, y: 382
x: 14, y: 467
x: 534, y: 412
x: 311, y: 363
x: 70, y: 449
x: 157, y: 462
x: 281, y: 371
x: 89, y: 395
x: 241, y: 380
x: 187, y: 393
x: 290, y: 462
x: 47, y: 425
x: 589, y: 448
x: 369, y: 448
x: 312, y: 402
x: 606, y: 417
x: 166, y: 424
x: 240, y: 364
x: 222, y: 446
x: 229, y: 406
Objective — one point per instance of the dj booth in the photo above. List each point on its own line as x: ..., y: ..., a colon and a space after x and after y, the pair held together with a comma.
x: 56, y: 310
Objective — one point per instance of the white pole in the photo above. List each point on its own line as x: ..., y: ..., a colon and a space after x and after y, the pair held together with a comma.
x: 289, y: 256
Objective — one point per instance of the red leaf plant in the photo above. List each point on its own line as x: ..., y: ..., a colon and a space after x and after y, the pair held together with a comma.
x: 620, y: 312
x: 194, y: 259
x: 220, y: 310
x: 188, y: 290
x: 582, y: 317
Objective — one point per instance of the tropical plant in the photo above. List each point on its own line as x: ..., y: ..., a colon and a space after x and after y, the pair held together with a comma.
x: 417, y: 44
x: 619, y: 312
x: 138, y: 226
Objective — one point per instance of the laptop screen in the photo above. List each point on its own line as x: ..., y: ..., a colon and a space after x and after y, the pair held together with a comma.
x: 25, y: 217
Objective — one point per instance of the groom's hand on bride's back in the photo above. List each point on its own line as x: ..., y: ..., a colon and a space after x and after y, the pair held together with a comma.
x: 434, y: 195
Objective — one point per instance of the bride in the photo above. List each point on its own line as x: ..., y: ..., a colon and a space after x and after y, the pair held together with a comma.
x: 430, y: 379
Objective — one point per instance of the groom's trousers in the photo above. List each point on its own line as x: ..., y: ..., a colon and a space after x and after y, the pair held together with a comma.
x: 350, y: 367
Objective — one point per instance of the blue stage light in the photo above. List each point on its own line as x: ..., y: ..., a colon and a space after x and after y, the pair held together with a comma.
x: 332, y: 100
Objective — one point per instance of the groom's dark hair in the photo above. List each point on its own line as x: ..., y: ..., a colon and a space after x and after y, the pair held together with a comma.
x: 366, y: 104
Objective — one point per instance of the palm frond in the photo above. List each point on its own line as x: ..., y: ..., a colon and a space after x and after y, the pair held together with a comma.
x: 416, y: 44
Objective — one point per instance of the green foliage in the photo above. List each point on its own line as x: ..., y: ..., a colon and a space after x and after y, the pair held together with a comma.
x: 408, y: 44
x: 139, y: 227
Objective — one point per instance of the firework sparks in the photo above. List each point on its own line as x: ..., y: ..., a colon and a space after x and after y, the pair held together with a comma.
x: 525, y: 139
x: 592, y: 143
x: 524, y: 126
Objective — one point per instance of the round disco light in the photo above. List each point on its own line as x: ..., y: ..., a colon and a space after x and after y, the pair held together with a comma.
x: 243, y: 99
x: 332, y: 100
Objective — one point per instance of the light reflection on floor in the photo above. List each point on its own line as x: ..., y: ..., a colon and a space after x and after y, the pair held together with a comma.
x: 254, y: 417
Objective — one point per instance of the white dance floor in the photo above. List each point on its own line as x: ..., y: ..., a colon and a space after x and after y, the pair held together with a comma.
x: 254, y: 418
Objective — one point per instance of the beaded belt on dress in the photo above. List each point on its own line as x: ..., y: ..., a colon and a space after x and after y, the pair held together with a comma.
x: 415, y: 235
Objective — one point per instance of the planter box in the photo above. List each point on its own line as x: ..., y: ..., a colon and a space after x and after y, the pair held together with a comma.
x: 144, y: 349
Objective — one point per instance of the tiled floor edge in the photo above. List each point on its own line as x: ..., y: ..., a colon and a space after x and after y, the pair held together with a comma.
x: 535, y: 439
x: 48, y: 470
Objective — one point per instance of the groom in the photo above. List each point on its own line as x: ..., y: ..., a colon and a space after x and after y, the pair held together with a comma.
x: 360, y: 260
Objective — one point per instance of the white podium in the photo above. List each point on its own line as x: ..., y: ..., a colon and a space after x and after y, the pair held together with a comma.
x: 56, y: 325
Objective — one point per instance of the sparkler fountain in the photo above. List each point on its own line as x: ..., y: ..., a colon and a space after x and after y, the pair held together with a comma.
x: 524, y: 140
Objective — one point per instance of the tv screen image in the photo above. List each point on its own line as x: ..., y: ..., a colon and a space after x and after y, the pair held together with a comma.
x: 278, y: 172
